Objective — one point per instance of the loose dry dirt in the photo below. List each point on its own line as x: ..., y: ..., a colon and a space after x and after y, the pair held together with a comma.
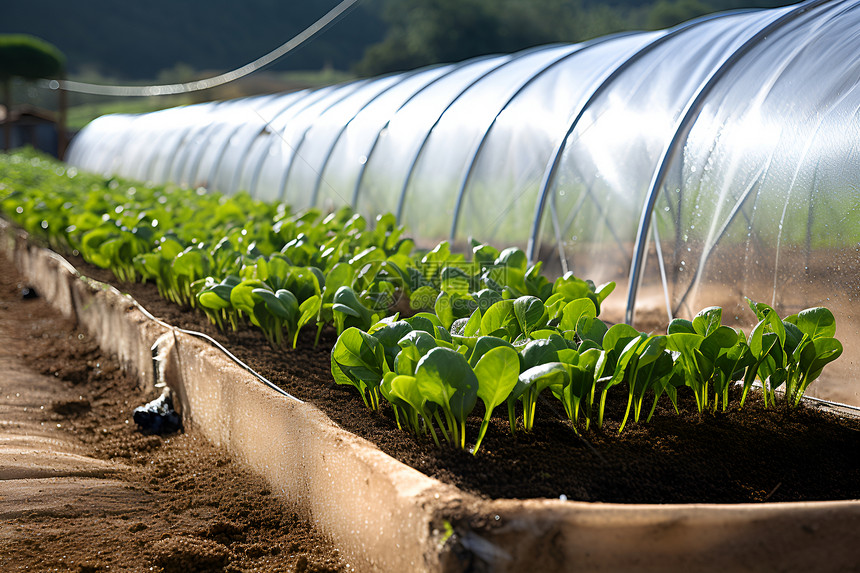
x: 82, y: 490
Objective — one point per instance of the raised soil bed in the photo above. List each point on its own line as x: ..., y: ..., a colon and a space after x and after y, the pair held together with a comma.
x: 682, y: 491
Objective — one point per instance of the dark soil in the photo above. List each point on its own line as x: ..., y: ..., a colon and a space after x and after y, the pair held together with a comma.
x: 752, y: 455
x: 182, y: 504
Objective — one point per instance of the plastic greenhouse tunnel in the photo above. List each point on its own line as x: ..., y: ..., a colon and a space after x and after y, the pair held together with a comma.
x: 695, y: 166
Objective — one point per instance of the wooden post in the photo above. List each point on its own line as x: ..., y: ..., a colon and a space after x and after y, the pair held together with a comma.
x: 62, y: 137
x: 7, y: 123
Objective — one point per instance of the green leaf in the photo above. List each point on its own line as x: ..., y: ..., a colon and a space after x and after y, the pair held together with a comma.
x: 514, y: 258
x: 215, y: 298
x: 454, y: 280
x: 390, y: 334
x: 497, y: 372
x: 570, y: 287
x: 650, y: 350
x: 445, y: 378
x: 618, y: 336
x: 604, y: 291
x: 594, y: 332
x: 530, y: 313
x: 273, y: 303
x: 444, y: 310
x: 355, y: 348
x: 720, y: 339
x: 681, y: 325
x: 242, y: 296
x: 309, y: 310
x: 405, y: 387
x: 420, y: 339
x: 817, y: 322
x: 423, y: 298
x: 340, y: 275
x: 406, y: 360
x: 539, y: 378
x: 486, y: 343
x: 578, y: 312
x: 498, y: 316
x: 538, y: 352
x: 816, y: 355
x: 708, y: 320
x: 684, y: 342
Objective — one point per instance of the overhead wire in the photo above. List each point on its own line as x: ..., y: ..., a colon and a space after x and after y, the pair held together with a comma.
x: 179, y: 88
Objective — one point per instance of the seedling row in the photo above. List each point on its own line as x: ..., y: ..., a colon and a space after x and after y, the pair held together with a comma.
x: 431, y: 332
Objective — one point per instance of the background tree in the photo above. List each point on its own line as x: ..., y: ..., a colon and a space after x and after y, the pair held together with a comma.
x: 30, y: 58
x: 421, y: 32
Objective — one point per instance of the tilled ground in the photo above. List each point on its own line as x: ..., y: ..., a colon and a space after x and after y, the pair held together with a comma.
x: 83, y: 490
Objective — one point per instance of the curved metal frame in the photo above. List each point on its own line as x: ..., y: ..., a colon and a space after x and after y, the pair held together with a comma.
x: 121, y: 145
x: 219, y: 155
x: 513, y: 58
x: 355, y: 86
x: 318, y: 183
x: 187, y: 156
x: 363, y: 168
x: 168, y: 167
x: 600, y: 87
x: 474, y: 155
x: 308, y: 100
x: 682, y: 127
x: 368, y: 84
x: 194, y: 167
x: 236, y: 179
x: 151, y: 159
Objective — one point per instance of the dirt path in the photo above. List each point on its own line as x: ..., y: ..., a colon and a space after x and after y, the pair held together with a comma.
x: 82, y: 490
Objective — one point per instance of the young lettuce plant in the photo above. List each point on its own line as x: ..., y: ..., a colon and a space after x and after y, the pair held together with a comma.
x: 793, y: 351
x: 214, y: 299
x: 649, y: 363
x: 350, y: 312
x: 318, y: 308
x: 619, y: 345
x: 358, y: 359
x: 497, y: 372
x: 112, y: 246
x: 158, y: 266
x: 402, y: 392
x: 704, y: 346
x: 389, y: 332
x: 532, y: 380
x: 816, y: 348
x: 529, y: 386
x: 189, y: 266
x: 581, y: 368
x: 414, y: 346
x: 281, y: 312
x: 668, y: 385
x: 270, y: 311
x: 530, y: 314
x: 766, y: 345
x: 445, y: 378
